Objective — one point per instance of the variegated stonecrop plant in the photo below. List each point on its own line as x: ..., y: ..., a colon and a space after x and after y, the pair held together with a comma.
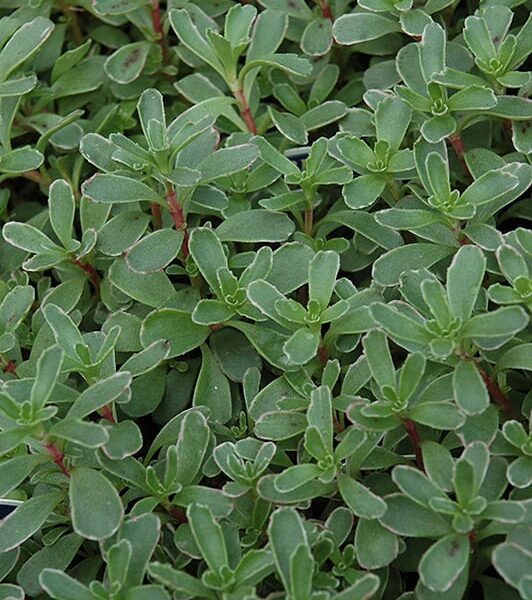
x: 265, y: 298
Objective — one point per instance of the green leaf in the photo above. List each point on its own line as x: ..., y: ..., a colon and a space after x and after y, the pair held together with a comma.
x: 208, y: 254
x: 317, y: 37
x: 470, y: 392
x: 437, y: 170
x: 363, y: 191
x: 111, y: 7
x: 519, y: 473
x: 511, y: 262
x: 464, y: 280
x: 490, y: 187
x: 227, y: 161
x: 24, y: 44
x: 511, y: 107
x: 301, y: 565
x: 364, y: 587
x: 210, y: 312
x: 286, y: 533
x: 95, y: 506
x: 477, y: 37
x: 439, y: 415
x: 359, y: 499
x: 62, y: 210
x: 290, y: 63
x: 512, y: 562
x: 280, y: 425
x: 155, y: 251
x: 215, y: 500
x: 238, y: 22
x: 18, y: 87
x: 436, y: 129
x: 87, y: 76
x: 99, y: 394
x: 518, y: 357
x: 432, y: 50
x: 295, y: 476
x: 61, y: 586
x: 319, y: 414
x: 124, y: 439
x: 256, y: 226
x: 405, y: 517
x: 189, y: 36
x: 152, y: 119
x: 302, y: 346
x: 126, y: 64
x: 398, y: 325
x: 362, y: 27
x: 88, y: 435
x: 192, y: 444
x: 505, y: 321
x: 356, y: 151
x: 151, y: 289
x: 20, y: 160
x: 208, y: 536
x: 472, y: 98
x: 175, y: 326
x: 56, y: 556
x: 13, y: 471
x: 179, y: 581
x: 10, y: 439
x: 389, y: 267
x: 14, y: 307
x: 268, y: 33
x: 27, y: 519
x: 392, y: 117
x: 111, y: 189
x: 411, y: 375
x: 271, y: 156
x: 65, y: 331
x: 376, y: 547
x: 27, y: 237
x: 212, y: 388
x: 416, y: 485
x: 290, y: 126
x: 254, y: 566
x: 323, y: 269
x: 379, y: 359
x: 442, y: 564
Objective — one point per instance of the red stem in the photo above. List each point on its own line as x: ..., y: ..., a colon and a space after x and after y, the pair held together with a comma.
x: 326, y: 10
x: 177, y: 513
x: 496, y: 393
x: 107, y: 413
x: 156, y: 215
x: 178, y: 216
x: 457, y: 143
x: 36, y: 177
x: 323, y: 355
x: 94, y: 277
x: 11, y: 367
x: 245, y: 111
x: 159, y: 31
x: 415, y: 440
x: 337, y: 426
x: 58, y: 456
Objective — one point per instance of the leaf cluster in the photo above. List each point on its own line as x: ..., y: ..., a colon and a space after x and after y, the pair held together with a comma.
x: 265, y: 297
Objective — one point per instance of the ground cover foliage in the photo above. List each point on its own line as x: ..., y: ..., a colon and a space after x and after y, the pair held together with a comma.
x: 265, y: 298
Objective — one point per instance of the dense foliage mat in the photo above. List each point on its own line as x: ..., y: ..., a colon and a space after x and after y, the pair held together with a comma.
x: 264, y: 299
